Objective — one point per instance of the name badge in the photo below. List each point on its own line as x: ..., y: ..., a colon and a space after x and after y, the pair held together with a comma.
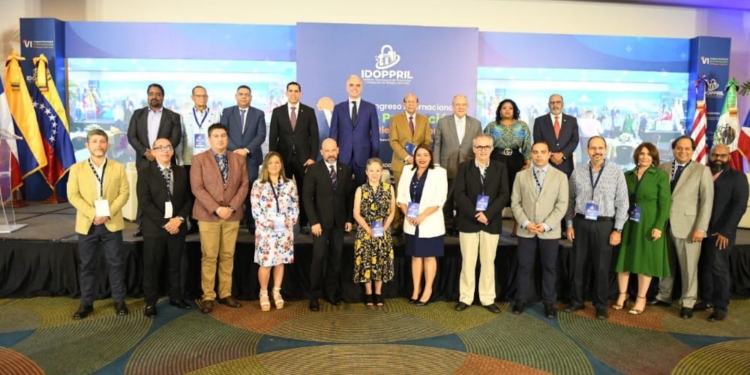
x: 200, y: 141
x: 168, y: 210
x: 102, y: 207
x: 412, y: 211
x: 377, y: 229
x: 592, y: 211
x: 635, y: 214
x: 483, y: 201
x: 279, y: 224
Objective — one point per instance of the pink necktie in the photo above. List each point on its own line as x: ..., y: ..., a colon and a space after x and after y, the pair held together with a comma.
x: 294, y: 118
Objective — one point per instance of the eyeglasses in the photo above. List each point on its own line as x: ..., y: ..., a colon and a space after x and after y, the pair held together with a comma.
x: 163, y: 148
x: 555, y: 102
x: 201, y: 96
x: 482, y: 148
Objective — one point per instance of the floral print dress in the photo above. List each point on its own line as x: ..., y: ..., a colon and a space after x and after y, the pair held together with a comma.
x: 273, y: 248
x: 373, y: 256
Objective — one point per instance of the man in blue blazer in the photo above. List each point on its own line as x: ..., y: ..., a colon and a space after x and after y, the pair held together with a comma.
x: 247, y: 132
x: 354, y: 126
x: 560, y: 131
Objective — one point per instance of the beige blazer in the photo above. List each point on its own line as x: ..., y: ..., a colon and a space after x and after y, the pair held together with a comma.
x: 83, y: 192
x: 400, y: 134
x: 448, y: 151
x: 549, y: 208
x: 692, y: 199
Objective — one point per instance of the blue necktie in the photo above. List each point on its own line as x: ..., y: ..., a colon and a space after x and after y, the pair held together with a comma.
x: 334, y: 178
x: 677, y: 175
x: 222, y: 159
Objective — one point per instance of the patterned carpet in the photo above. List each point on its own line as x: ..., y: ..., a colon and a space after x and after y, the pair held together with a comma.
x: 38, y: 336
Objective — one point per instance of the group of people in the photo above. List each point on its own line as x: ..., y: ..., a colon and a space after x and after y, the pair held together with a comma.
x: 460, y: 184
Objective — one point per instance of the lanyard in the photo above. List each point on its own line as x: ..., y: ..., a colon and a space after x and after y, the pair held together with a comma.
x: 276, y: 197
x: 594, y: 184
x: 195, y: 115
x: 99, y: 178
x: 483, y: 176
x: 167, y: 179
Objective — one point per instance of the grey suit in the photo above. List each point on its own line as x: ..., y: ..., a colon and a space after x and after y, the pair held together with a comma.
x: 692, y: 201
x: 449, y: 153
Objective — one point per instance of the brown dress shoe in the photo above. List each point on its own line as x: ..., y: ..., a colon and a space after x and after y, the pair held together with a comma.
x: 207, y: 307
x: 229, y: 301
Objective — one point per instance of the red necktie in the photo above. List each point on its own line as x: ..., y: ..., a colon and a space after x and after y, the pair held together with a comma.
x: 557, y: 127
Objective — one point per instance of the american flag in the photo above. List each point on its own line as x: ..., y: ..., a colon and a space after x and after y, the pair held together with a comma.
x: 698, y: 132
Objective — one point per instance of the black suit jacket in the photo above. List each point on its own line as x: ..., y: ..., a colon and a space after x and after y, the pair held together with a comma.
x: 325, y: 205
x: 468, y: 185
x: 152, y: 193
x: 170, y: 127
x: 730, y: 203
x: 544, y: 130
x: 303, y: 139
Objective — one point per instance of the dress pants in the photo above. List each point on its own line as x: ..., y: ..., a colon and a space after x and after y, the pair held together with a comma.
x: 294, y: 168
x: 154, y: 249
x: 592, y: 244
x: 448, y: 207
x: 326, y: 263
x: 218, y: 239
x: 88, y: 245
x: 527, y: 252
x: 715, y: 281
x: 688, y: 255
x: 483, y: 245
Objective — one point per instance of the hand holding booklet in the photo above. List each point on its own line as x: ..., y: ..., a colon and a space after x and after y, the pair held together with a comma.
x: 412, y: 210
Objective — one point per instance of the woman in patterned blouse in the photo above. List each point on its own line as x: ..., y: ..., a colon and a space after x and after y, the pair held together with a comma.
x: 275, y: 208
x: 512, y: 142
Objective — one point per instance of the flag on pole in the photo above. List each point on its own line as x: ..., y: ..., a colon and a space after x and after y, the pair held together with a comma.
x: 53, y: 124
x: 728, y: 127
x: 698, y: 133
x: 31, y: 154
x: 8, y: 144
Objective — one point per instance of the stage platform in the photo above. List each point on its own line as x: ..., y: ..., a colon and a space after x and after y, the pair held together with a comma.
x: 42, y: 260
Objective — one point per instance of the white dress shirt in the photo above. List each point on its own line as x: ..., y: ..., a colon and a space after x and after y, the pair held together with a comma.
x: 460, y: 128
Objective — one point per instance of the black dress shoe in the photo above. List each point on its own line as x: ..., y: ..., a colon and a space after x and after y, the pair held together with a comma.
x: 518, y: 307
x: 702, y: 306
x: 207, y: 307
x: 137, y: 233
x: 573, y: 308
x: 602, y: 314
x: 333, y: 301
x: 121, y: 308
x: 150, y: 311
x: 717, y: 316
x: 658, y: 302
x: 550, y: 311
x: 229, y: 301
x: 686, y: 313
x: 83, y: 311
x: 420, y: 303
x: 413, y: 301
x: 492, y: 308
x: 179, y: 303
x: 461, y: 306
x: 314, y: 305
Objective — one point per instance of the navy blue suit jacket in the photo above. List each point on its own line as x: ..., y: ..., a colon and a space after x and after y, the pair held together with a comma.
x: 252, y: 138
x: 544, y: 130
x: 357, y: 142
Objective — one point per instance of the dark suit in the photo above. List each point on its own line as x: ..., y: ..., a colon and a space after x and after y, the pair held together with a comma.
x: 332, y: 209
x: 296, y: 145
x: 359, y: 141
x: 152, y: 195
x: 730, y: 203
x: 468, y: 186
x: 251, y: 138
x: 170, y: 127
x: 544, y: 130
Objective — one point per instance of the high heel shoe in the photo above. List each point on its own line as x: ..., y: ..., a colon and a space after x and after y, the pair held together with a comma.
x: 368, y: 299
x: 634, y: 311
x: 624, y: 303
x: 277, y: 300
x: 265, y: 304
x: 378, y: 299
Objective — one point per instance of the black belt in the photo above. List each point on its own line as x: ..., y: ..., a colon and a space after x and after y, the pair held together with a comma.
x: 600, y: 218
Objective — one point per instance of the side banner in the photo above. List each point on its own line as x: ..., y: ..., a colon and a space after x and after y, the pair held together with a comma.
x: 709, y: 56
x: 434, y: 63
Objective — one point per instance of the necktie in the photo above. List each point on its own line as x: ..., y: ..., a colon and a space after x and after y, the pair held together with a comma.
x: 676, y: 176
x: 354, y: 112
x: 294, y: 117
x: 411, y: 124
x: 242, y: 117
x: 334, y: 177
x: 223, y: 168
x: 557, y: 126
x: 167, y: 174
x: 539, y: 174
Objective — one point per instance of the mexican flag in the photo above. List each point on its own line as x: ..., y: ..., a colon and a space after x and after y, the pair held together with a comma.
x: 728, y: 130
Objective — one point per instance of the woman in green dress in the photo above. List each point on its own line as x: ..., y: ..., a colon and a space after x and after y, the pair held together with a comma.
x: 644, y: 248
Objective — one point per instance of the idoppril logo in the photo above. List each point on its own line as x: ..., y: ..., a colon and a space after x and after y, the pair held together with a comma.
x: 383, y: 74
x: 714, y: 89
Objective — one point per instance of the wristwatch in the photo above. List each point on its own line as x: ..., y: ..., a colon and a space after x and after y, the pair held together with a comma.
x: 182, y: 219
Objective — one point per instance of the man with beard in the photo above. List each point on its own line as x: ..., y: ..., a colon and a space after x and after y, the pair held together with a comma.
x: 560, y: 131
x: 146, y: 126
x: 692, y: 199
x: 597, y: 211
x: 730, y: 202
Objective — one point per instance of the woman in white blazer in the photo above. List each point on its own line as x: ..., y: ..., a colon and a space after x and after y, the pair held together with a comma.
x: 423, y: 188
